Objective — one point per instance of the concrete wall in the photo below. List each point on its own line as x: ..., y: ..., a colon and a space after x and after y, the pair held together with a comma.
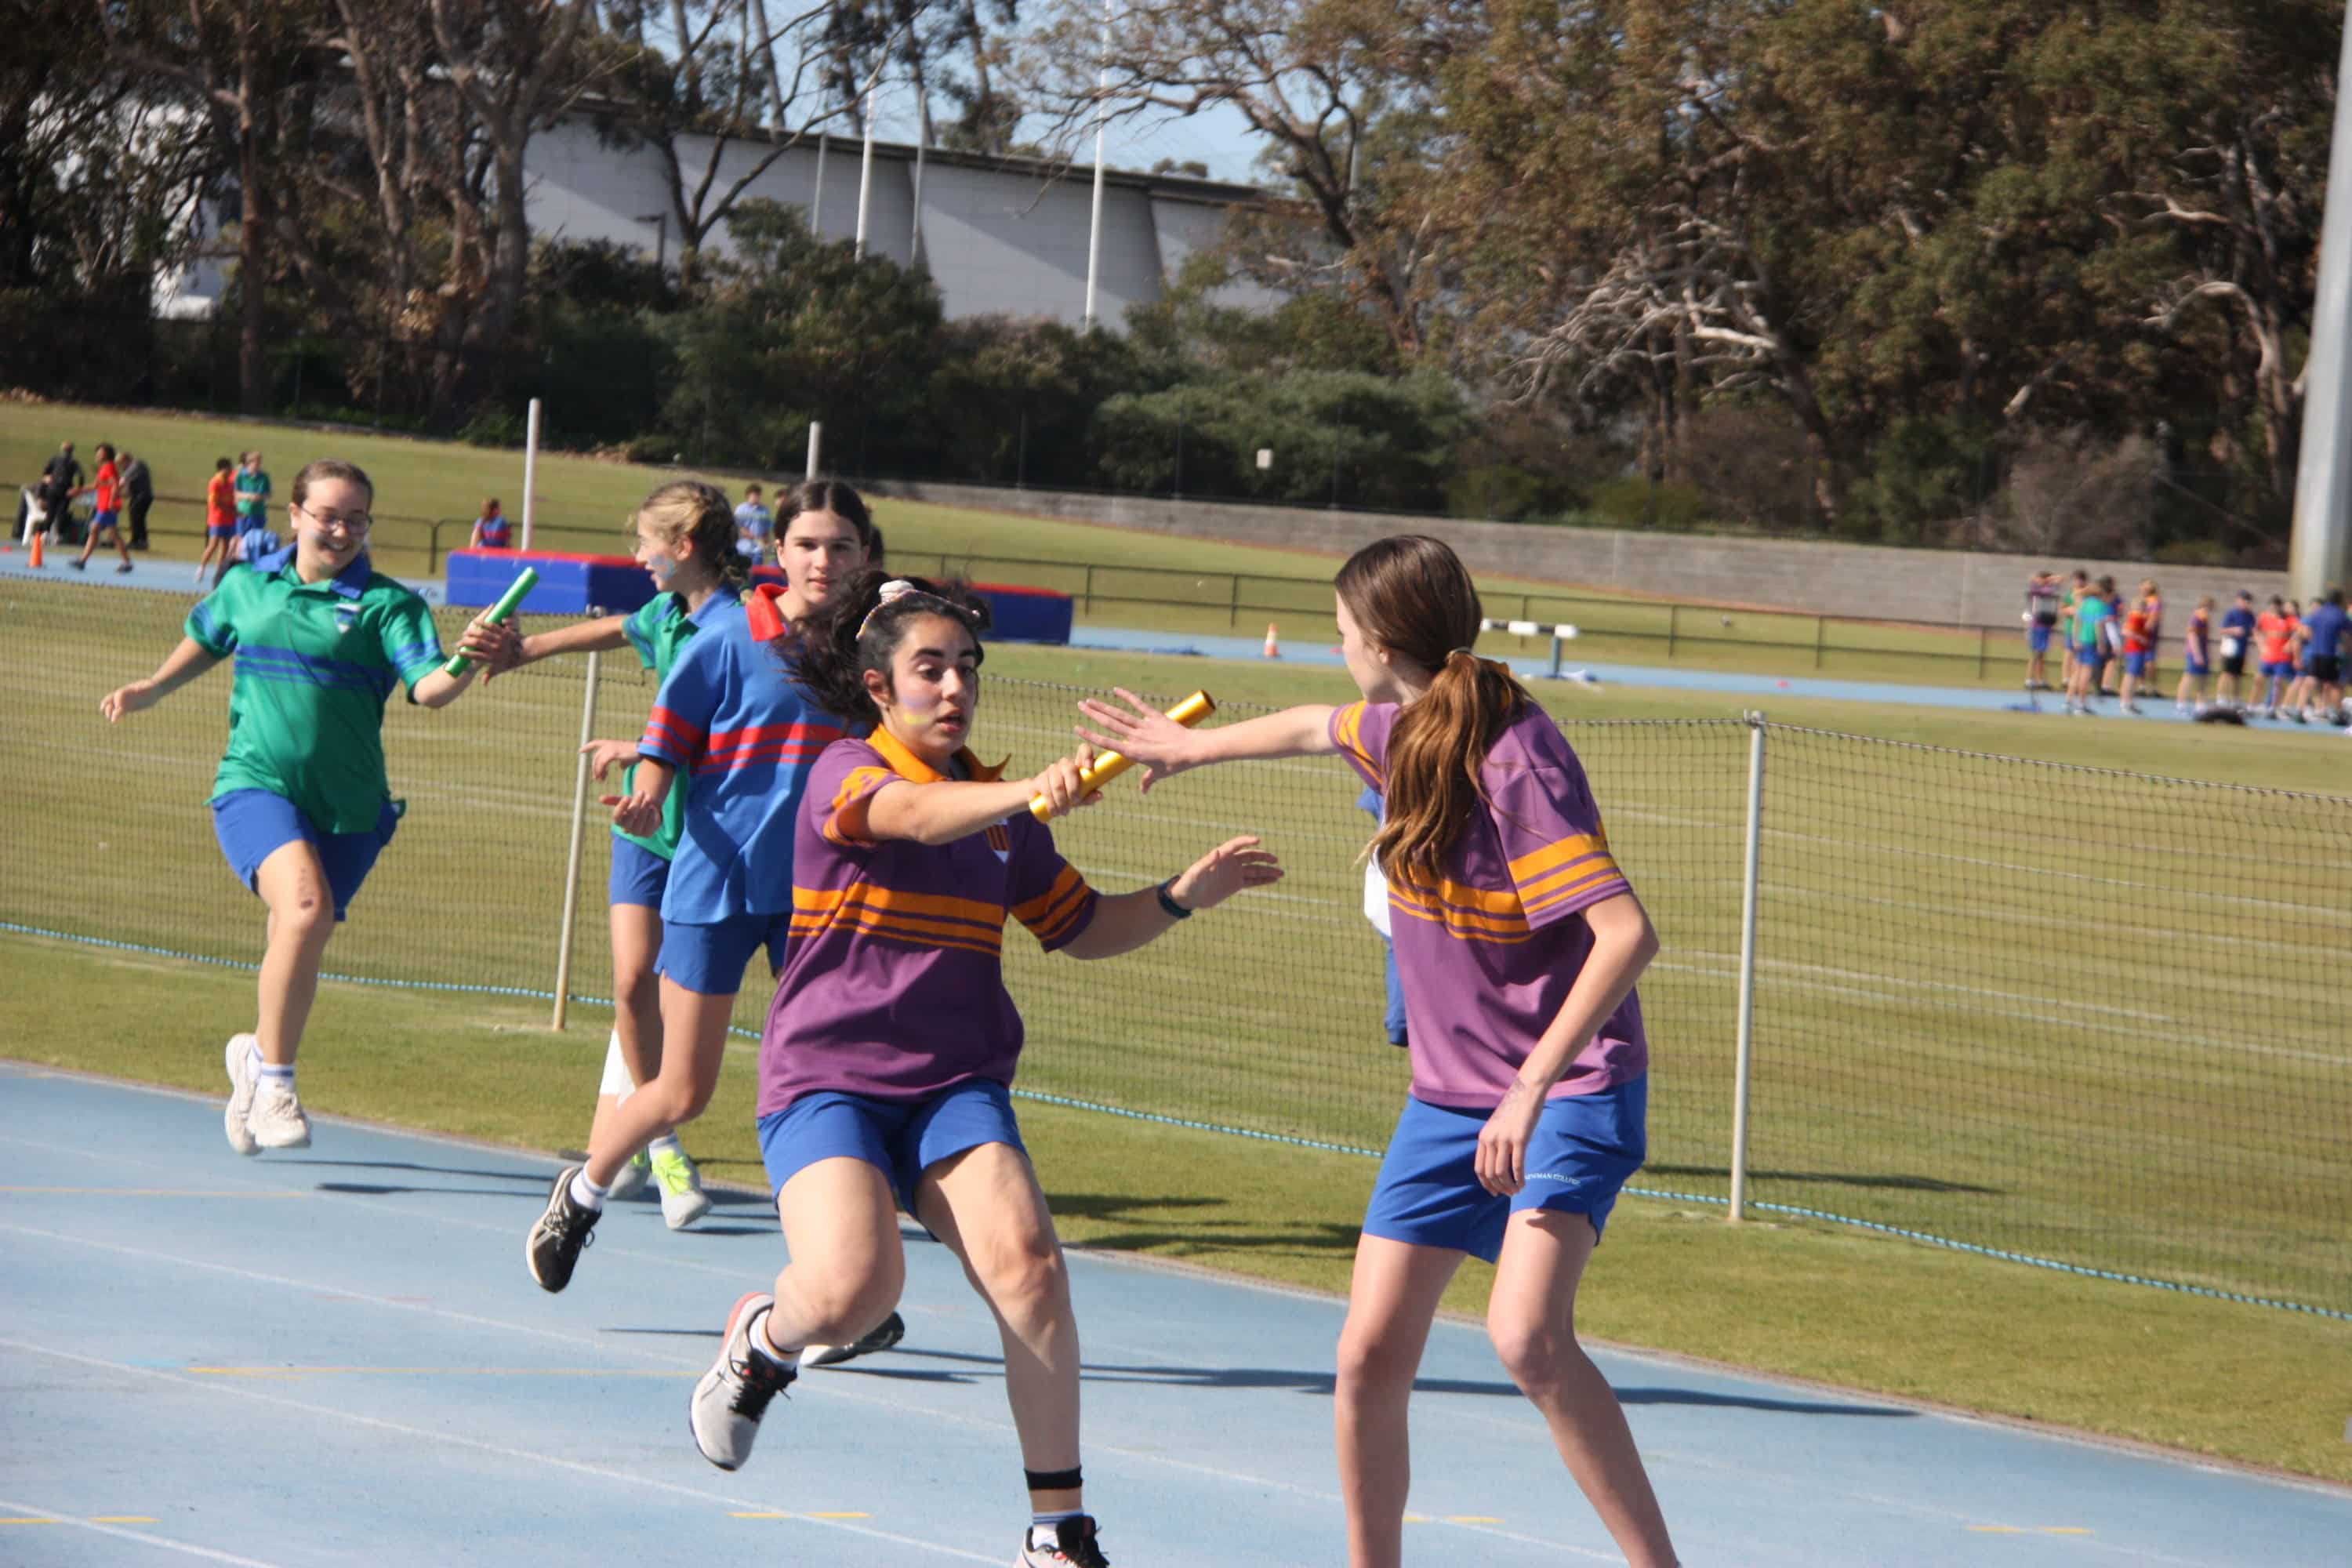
x: 1854, y: 580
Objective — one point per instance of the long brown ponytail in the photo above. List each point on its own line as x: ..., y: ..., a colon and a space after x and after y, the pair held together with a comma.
x: 1412, y: 595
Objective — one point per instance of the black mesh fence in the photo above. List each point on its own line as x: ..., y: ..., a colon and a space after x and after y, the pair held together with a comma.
x: 2072, y: 1015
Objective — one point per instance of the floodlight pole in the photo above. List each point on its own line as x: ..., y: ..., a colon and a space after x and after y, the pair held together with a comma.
x: 1747, y: 1036
x: 865, y: 172
x: 2320, y: 549
x: 1093, y: 228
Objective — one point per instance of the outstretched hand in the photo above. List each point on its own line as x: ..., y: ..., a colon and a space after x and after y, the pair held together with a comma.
x: 1062, y: 784
x: 1235, y: 864
x: 127, y: 699
x: 603, y: 754
x: 1139, y: 730
x: 493, y: 647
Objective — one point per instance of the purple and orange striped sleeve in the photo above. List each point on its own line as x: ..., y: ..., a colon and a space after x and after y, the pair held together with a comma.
x: 1553, y: 841
x: 1360, y: 730
x: 1046, y: 893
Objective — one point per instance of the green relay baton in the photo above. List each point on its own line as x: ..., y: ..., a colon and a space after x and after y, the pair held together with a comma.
x: 525, y: 581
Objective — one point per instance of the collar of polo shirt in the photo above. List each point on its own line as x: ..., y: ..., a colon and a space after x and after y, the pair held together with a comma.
x: 350, y: 581
x: 914, y: 770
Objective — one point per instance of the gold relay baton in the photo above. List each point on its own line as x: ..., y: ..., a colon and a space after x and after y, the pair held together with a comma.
x: 1110, y: 764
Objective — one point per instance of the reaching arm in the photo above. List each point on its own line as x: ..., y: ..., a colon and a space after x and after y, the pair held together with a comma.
x: 1623, y: 943
x: 950, y: 809
x: 1165, y: 748
x: 486, y: 643
x: 181, y: 665
x: 603, y: 634
x: 1125, y: 922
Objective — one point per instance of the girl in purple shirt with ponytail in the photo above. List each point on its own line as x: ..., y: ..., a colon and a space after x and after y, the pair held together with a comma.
x: 1519, y: 941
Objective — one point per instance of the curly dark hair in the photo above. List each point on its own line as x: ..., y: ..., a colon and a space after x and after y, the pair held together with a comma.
x: 836, y: 645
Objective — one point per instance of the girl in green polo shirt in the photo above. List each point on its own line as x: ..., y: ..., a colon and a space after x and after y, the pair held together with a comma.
x: 301, y: 805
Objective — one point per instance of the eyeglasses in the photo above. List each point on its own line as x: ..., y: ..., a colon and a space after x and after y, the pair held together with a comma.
x: 357, y: 521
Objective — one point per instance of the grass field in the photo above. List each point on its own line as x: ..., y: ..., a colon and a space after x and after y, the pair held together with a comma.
x: 2048, y: 1011
x: 1135, y: 579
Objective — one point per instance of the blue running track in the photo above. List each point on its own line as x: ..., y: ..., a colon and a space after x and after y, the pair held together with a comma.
x: 336, y: 1357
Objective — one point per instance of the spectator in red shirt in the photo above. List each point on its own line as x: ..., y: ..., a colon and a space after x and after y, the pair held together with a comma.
x: 2139, y: 648
x: 105, y: 491
x: 220, y: 517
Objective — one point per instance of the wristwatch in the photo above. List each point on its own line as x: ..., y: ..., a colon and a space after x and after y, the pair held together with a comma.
x: 1176, y: 911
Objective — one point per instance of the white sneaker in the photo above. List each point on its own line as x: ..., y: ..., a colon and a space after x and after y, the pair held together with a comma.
x: 683, y: 1200
x: 277, y: 1120
x: 724, y: 1410
x: 632, y: 1179
x: 1072, y: 1543
x: 238, y: 1059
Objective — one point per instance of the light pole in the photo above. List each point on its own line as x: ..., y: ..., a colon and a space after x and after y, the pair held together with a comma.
x: 2320, y: 548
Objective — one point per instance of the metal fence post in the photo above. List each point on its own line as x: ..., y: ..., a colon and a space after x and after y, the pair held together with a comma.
x: 1820, y: 623
x: 579, y: 827
x: 1234, y: 600
x: 1090, y: 590
x: 1746, y: 1038
x: 1981, y: 652
x: 1673, y: 612
x: 433, y: 547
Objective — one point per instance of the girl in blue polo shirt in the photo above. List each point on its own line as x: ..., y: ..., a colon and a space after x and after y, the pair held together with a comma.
x: 300, y: 804
x: 734, y: 730
x: 690, y: 556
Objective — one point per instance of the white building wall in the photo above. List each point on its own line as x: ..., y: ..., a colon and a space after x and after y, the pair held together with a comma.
x: 1004, y: 241
x: 1008, y: 240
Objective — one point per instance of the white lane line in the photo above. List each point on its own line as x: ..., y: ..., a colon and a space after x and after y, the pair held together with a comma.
x: 896, y: 1402
x: 443, y: 1437
x: 144, y: 1537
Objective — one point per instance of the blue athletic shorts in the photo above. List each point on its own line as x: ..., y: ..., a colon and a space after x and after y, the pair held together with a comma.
x: 2136, y: 664
x: 2278, y: 669
x: 709, y: 959
x: 253, y: 824
x: 2197, y: 667
x: 220, y: 531
x: 2088, y: 653
x: 1585, y: 1149
x: 900, y: 1138
x: 638, y: 874
x: 2037, y: 639
x: 102, y: 521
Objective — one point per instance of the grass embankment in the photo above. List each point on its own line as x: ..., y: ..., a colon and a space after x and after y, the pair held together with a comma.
x: 1137, y: 579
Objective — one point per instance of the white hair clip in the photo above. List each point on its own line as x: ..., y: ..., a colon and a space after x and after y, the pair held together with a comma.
x: 895, y: 589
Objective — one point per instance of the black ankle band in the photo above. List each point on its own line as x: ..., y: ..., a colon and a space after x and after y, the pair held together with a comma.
x: 1054, y: 1481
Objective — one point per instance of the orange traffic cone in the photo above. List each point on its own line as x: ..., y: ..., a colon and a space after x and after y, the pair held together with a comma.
x: 1272, y: 647
x: 40, y: 538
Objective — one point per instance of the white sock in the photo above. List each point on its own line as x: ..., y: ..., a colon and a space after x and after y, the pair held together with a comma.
x: 666, y: 1143
x: 587, y: 1194
x: 761, y: 1343
x: 269, y: 1075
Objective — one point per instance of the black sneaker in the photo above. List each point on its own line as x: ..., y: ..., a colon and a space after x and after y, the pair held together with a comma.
x: 893, y: 1329
x: 1074, y: 1546
x: 553, y: 1246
